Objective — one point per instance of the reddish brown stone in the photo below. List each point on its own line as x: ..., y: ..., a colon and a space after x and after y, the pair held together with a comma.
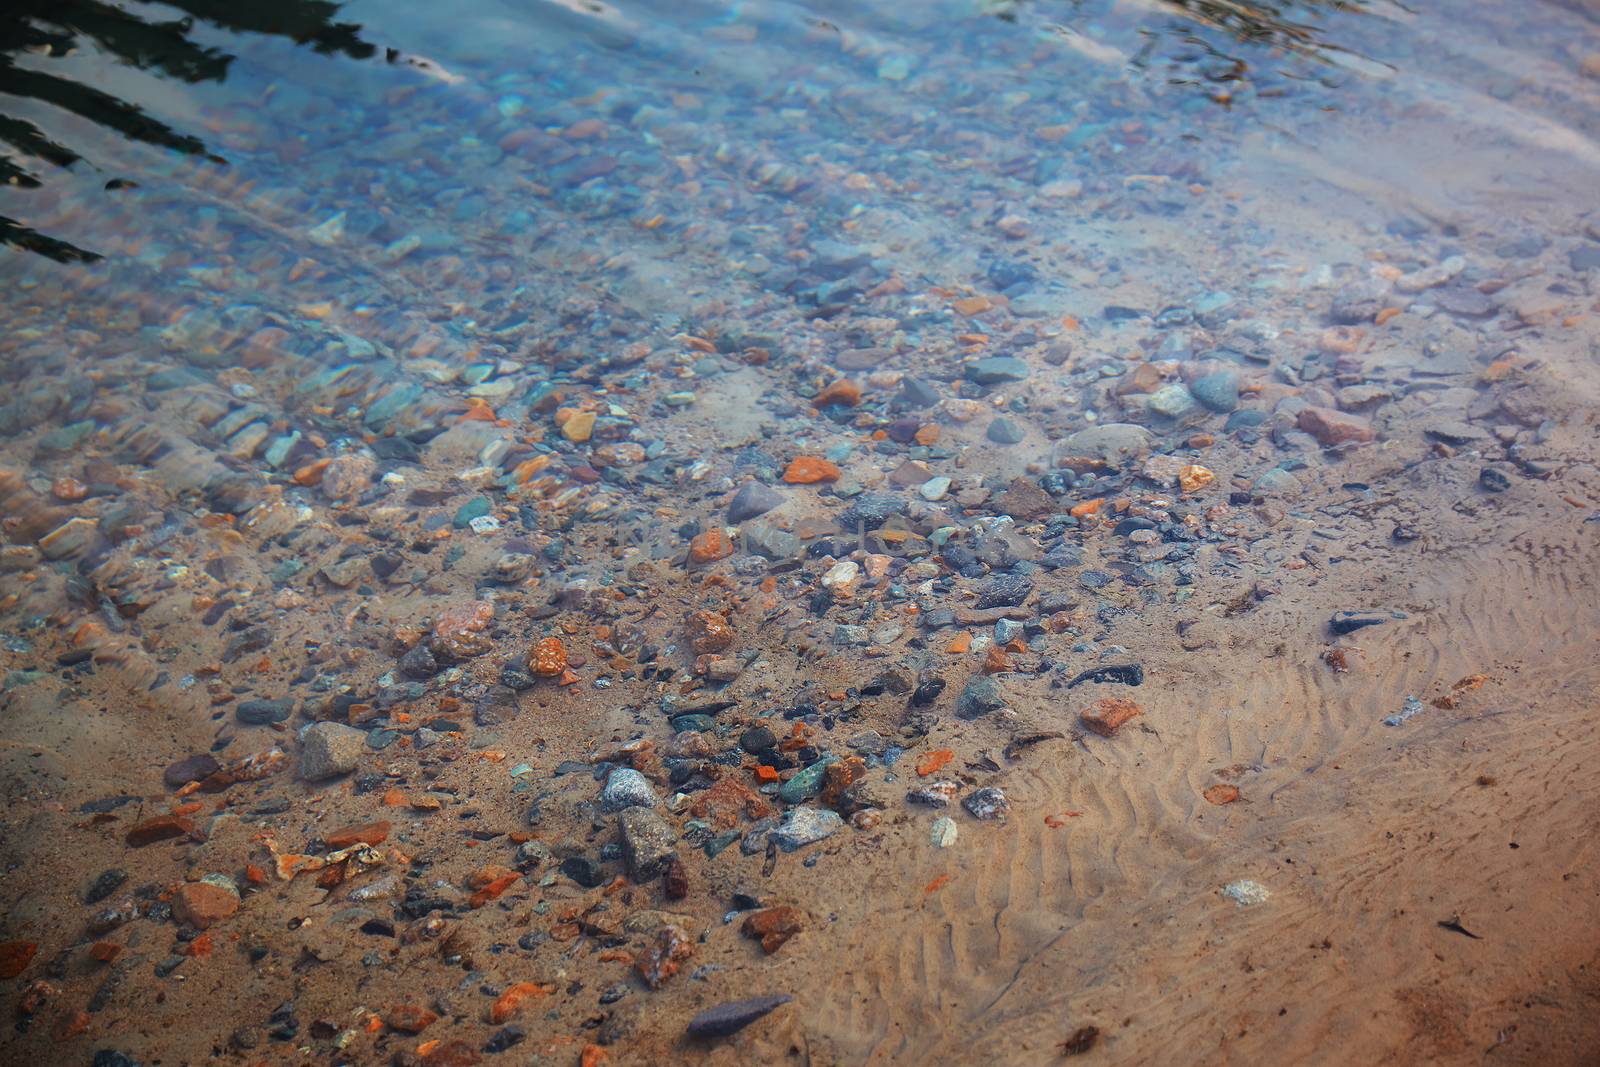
x: 202, y: 904
x: 843, y: 392
x: 1107, y: 715
x: 1332, y: 427
x: 808, y: 470
x: 1024, y: 499
x: 453, y: 1053
x: 514, y: 999
x: 774, y: 926
x: 370, y: 833
x: 838, y: 777
x: 160, y: 828
x: 659, y: 960
x: 710, y: 546
x: 709, y: 632
x: 409, y: 1018
x: 676, y: 882
x: 15, y: 957
x: 548, y: 658
x: 727, y: 801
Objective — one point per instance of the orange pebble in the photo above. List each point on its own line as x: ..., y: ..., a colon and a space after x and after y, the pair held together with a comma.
x: 311, y: 473
x: 931, y: 762
x: 808, y: 470
x: 512, y: 1000
x: 844, y: 392
x: 549, y: 658
x: 710, y: 546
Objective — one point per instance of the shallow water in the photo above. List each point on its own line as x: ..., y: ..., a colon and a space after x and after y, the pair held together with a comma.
x: 372, y: 375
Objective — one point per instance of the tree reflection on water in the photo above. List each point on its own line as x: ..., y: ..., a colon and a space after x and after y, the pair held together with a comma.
x: 164, y: 46
x: 56, y: 28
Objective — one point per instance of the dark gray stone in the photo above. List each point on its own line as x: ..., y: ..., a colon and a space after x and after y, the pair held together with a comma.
x: 752, y: 499
x: 1003, y: 591
x: 1218, y: 391
x: 1003, y: 431
x: 264, y: 712
x: 871, y: 510
x: 996, y: 370
x: 725, y: 1019
x: 980, y: 697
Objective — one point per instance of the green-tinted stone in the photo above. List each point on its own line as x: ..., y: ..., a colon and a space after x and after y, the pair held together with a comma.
x: 806, y: 784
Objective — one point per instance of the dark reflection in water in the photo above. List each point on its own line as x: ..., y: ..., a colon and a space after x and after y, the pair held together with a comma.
x: 54, y: 28
x: 1205, y: 51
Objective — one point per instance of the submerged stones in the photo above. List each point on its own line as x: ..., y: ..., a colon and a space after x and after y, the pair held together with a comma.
x: 649, y: 843
x: 804, y: 826
x: 730, y: 1018
x: 1111, y: 442
x: 997, y: 370
x: 1106, y: 716
x: 329, y: 749
x: 264, y: 712
x: 626, y: 788
x: 987, y: 804
x: 1332, y: 427
x: 978, y: 698
x: 753, y: 499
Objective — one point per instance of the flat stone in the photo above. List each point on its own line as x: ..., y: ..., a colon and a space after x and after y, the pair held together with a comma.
x: 871, y: 510
x: 1584, y: 257
x: 1278, y: 482
x: 1003, y: 590
x: 627, y: 788
x: 190, y: 769
x: 1171, y: 401
x: 980, y: 697
x: 730, y: 1018
x: 910, y: 473
x: 329, y: 749
x: 1112, y: 441
x: 203, y: 904
x: 805, y: 826
x: 1345, y: 622
x: 1025, y: 498
x: 987, y: 803
x: 264, y: 712
x: 1332, y: 427
x: 649, y: 843
x: 995, y: 370
x: 753, y: 499
x: 1454, y: 431
x: 807, y: 783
